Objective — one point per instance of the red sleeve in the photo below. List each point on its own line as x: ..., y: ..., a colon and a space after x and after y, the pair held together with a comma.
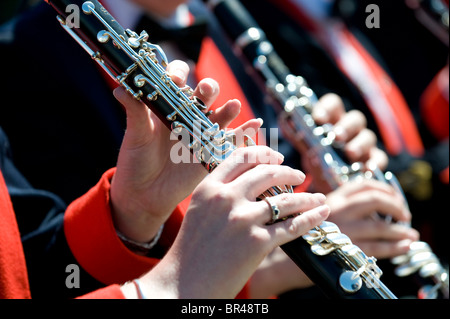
x: 92, y: 238
x: 110, y: 292
x: 435, y: 107
x: 13, y: 270
x: 244, y: 293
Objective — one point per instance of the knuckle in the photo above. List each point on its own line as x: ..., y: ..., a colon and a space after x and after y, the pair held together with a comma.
x: 285, y: 199
x: 359, y: 116
x: 266, y: 170
x: 257, y: 236
x: 293, y: 229
x: 380, y: 227
x: 375, y: 198
x: 371, y: 135
x: 223, y: 195
x: 333, y: 101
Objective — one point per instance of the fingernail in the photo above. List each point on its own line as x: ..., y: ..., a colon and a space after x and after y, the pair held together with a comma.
x: 320, y: 116
x: 202, y: 90
x: 413, y: 234
x: 340, y: 133
x: 324, y: 210
x: 179, y: 74
x: 321, y: 197
x: 404, y: 244
x: 211, y: 91
x: 301, y: 175
x: 261, y: 121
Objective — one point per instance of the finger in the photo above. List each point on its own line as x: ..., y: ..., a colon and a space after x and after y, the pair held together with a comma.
x: 353, y: 187
x: 178, y: 72
x: 264, y: 176
x: 366, y: 204
x: 289, y: 204
x: 243, y: 159
x: 225, y: 114
x: 359, y: 148
x: 360, y: 195
x: 329, y: 109
x: 132, y: 106
x: 349, y: 125
x: 384, y: 249
x: 138, y: 121
x: 378, y: 159
x: 378, y: 230
x: 248, y: 129
x: 207, y: 90
x: 292, y: 228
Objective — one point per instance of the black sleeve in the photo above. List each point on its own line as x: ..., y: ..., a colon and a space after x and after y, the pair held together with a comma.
x: 40, y: 216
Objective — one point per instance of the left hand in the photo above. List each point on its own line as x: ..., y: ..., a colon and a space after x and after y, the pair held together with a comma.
x: 225, y: 234
x: 355, y: 207
x: 360, y: 143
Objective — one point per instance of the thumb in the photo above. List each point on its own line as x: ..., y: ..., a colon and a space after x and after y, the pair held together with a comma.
x: 139, y: 123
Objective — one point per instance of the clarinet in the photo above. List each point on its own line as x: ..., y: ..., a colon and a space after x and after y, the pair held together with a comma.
x: 339, y: 267
x: 293, y: 100
x: 139, y: 66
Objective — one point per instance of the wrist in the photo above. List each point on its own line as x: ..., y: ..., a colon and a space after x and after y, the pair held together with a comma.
x: 140, y: 248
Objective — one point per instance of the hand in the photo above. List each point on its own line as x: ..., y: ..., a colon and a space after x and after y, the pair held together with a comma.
x: 359, y: 143
x: 354, y: 207
x: 147, y: 184
x: 225, y: 234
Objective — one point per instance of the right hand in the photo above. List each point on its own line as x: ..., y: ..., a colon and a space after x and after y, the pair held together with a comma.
x: 359, y: 144
x: 225, y: 234
x: 148, y: 184
x: 355, y: 207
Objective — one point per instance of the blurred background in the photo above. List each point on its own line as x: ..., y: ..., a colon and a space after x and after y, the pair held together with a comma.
x: 9, y: 8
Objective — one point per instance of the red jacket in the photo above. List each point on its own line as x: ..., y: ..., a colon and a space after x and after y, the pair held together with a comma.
x: 91, y: 237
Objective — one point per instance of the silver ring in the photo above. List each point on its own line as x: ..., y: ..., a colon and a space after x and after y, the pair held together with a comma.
x: 274, y: 208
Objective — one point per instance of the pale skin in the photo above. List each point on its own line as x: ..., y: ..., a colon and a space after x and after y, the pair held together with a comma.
x: 288, y: 275
x: 226, y: 233
x: 353, y: 204
x: 139, y: 209
x: 360, y: 145
x: 146, y: 187
x: 143, y: 143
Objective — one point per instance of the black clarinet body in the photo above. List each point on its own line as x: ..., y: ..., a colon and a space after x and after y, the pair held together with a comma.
x: 116, y: 61
x: 337, y: 266
x: 332, y: 265
x: 293, y: 100
x: 139, y: 66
